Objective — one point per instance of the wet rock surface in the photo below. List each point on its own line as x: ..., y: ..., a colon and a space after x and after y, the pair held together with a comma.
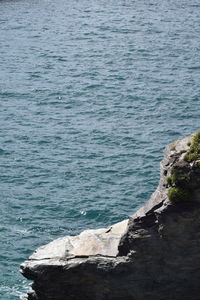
x: 154, y: 255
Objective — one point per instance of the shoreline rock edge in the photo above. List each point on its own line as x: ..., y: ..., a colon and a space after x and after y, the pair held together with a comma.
x: 155, y: 254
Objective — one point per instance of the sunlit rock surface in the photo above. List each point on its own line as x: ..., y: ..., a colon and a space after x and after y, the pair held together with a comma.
x: 154, y: 255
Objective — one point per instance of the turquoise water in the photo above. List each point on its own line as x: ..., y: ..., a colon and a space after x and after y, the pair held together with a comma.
x: 90, y: 93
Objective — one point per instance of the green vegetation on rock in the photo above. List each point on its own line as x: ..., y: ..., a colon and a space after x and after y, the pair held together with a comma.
x: 179, y: 178
x: 176, y: 194
x: 169, y: 180
x: 184, y: 177
x: 194, y: 151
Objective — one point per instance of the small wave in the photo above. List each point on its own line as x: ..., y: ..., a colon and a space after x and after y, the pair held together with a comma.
x: 2, y: 151
x: 194, y: 68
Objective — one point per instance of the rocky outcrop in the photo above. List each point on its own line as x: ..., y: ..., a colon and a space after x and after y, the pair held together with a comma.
x: 154, y: 255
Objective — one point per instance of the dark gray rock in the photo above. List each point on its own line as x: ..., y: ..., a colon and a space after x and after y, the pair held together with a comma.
x: 154, y: 255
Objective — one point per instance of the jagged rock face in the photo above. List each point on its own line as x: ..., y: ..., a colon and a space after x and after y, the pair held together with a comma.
x: 155, y: 255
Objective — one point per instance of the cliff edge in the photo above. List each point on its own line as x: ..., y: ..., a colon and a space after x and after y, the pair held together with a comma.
x: 154, y: 255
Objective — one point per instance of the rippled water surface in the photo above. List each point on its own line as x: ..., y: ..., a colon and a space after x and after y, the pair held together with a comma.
x: 90, y: 93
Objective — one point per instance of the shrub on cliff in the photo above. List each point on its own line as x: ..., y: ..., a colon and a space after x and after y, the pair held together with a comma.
x: 194, y: 151
x: 177, y: 194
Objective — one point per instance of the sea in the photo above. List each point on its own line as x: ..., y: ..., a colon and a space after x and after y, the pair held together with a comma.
x: 91, y: 92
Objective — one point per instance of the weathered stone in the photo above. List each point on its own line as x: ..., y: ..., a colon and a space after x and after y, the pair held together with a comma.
x: 154, y: 255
